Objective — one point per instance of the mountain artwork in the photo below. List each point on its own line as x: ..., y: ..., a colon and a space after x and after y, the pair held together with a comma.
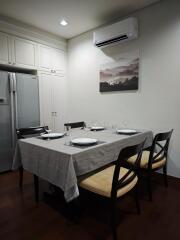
x: 120, y: 75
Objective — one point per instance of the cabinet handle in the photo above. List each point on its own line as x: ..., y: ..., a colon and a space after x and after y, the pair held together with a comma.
x: 54, y: 114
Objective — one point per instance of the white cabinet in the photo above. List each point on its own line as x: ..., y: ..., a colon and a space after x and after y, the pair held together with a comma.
x: 18, y: 51
x: 59, y: 102
x: 52, y: 100
x: 24, y: 53
x: 45, y: 92
x: 51, y: 59
x: 44, y: 57
x: 58, y: 60
x: 5, y: 54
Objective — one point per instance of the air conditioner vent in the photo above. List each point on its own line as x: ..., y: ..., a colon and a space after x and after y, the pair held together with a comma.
x: 116, y: 33
x: 114, y: 40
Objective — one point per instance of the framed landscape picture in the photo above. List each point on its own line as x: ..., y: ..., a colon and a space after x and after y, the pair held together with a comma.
x: 120, y: 75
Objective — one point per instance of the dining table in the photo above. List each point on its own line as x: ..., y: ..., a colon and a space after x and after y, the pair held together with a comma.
x: 62, y: 163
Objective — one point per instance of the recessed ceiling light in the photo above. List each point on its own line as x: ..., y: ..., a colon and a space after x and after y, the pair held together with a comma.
x: 63, y: 22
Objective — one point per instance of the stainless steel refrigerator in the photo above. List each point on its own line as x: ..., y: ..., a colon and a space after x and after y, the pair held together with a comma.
x: 19, y: 108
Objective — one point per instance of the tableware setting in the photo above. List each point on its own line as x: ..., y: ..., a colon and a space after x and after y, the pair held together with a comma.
x: 126, y: 131
x: 97, y: 128
x: 48, y: 136
x: 84, y: 141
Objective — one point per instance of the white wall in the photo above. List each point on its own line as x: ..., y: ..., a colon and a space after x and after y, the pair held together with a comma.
x: 156, y: 105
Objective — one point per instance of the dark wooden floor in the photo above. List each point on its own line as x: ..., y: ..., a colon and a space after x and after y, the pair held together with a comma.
x: 22, y: 219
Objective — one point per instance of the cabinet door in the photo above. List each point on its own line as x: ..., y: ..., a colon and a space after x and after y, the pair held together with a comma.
x: 46, y: 109
x: 52, y: 101
x: 4, y: 49
x: 59, y: 102
x: 58, y: 60
x: 24, y: 53
x: 44, y: 58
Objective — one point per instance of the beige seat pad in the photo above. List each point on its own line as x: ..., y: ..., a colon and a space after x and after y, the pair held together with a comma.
x: 145, y: 159
x: 101, y: 182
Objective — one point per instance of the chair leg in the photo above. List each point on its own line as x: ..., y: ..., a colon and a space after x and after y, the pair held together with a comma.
x: 113, y: 219
x: 36, y: 188
x: 20, y: 177
x: 136, y: 197
x: 149, y: 186
x: 165, y: 175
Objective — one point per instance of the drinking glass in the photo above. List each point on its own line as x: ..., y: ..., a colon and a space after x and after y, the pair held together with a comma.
x: 125, y: 124
x: 114, y: 127
x: 107, y: 125
x: 88, y: 124
x: 68, y: 135
x: 48, y: 131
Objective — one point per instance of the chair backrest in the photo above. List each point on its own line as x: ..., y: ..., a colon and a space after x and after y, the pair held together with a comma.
x: 159, y: 148
x: 124, y: 155
x: 25, y: 132
x: 75, y: 125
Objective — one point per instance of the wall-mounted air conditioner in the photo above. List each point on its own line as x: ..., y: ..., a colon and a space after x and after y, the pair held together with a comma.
x: 116, y: 33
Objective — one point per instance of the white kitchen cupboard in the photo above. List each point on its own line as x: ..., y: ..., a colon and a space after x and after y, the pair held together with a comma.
x: 5, y: 51
x: 51, y: 59
x: 24, y: 53
x: 52, y: 100
x: 58, y: 60
x: 17, y: 51
x: 44, y: 58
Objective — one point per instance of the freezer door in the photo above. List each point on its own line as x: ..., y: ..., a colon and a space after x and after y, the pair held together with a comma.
x: 27, y: 100
x: 6, y: 123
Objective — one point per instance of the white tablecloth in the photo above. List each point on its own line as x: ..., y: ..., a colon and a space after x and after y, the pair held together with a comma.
x: 61, y: 164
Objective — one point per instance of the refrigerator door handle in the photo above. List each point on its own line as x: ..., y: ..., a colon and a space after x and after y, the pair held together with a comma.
x: 15, y: 99
x: 14, y: 82
x: 10, y: 76
x: 10, y: 82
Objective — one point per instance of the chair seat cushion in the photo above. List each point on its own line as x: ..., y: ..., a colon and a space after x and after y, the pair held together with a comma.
x: 101, y: 182
x: 145, y: 159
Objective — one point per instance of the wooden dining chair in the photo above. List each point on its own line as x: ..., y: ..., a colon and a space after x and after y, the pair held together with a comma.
x: 25, y: 133
x: 116, y: 181
x: 75, y: 125
x: 154, y: 158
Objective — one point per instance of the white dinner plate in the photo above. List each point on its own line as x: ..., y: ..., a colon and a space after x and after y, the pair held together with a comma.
x: 126, y: 131
x: 84, y: 141
x: 98, y: 128
x: 52, y: 135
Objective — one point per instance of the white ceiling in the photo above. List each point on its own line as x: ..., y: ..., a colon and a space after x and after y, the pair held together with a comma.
x: 82, y: 15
